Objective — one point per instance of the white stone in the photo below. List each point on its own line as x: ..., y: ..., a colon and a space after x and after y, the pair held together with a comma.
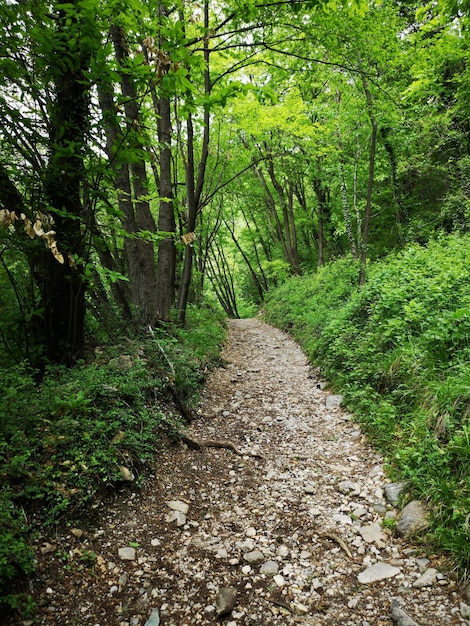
x: 270, y: 568
x: 178, y: 505
x: 333, y: 401
x: 378, y: 571
x: 301, y: 609
x: 255, y: 556
x: 427, y: 579
x: 126, y: 554
x: 372, y: 533
x: 176, y: 516
x: 279, y: 580
x: 464, y: 610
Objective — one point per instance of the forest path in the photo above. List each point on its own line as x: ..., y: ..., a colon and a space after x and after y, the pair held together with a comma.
x: 289, y: 530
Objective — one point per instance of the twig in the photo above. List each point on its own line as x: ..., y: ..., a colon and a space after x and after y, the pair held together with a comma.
x: 339, y: 541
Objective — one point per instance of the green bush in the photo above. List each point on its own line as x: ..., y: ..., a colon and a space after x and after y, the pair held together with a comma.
x: 399, y: 350
x: 65, y: 441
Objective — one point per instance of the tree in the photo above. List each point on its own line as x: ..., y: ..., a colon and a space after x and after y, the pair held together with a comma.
x: 48, y: 100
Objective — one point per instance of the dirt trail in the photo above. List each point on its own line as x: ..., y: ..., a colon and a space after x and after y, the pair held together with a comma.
x: 285, y: 523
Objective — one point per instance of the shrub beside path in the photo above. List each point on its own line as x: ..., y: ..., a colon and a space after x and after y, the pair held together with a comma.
x: 278, y: 518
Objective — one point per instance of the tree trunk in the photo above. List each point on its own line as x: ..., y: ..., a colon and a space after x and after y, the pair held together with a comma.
x: 194, y: 188
x: 139, y: 252
x: 166, y: 264
x: 62, y: 285
x: 370, y: 182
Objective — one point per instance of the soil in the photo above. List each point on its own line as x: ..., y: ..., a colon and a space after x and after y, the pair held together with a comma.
x: 276, y: 516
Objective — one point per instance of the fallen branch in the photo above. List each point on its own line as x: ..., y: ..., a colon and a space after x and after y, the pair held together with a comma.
x: 216, y: 443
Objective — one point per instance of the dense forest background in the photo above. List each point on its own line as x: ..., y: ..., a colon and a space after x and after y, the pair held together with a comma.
x: 163, y: 160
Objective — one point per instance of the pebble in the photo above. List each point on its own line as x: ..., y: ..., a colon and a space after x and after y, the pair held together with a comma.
x: 464, y: 610
x: 176, y: 516
x: 426, y: 580
x: 413, y: 518
x: 377, y: 571
x: 255, y: 556
x: 126, y: 554
x: 270, y: 568
x: 177, y: 505
x: 225, y: 601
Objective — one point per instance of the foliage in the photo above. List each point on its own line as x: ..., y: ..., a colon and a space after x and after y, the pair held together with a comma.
x: 78, y: 433
x: 399, y: 350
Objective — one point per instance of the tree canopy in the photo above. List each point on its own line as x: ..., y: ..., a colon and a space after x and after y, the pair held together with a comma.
x: 153, y: 154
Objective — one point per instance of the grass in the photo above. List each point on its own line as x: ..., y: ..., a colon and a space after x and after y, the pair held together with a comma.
x: 399, y: 349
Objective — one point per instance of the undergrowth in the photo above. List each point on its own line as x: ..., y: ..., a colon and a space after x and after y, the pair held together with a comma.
x: 65, y: 442
x: 399, y: 349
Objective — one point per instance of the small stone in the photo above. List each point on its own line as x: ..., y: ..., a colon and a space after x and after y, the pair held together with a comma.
x: 225, y: 600
x: 177, y: 505
x: 393, y: 492
x: 466, y: 593
x: 126, y: 474
x: 270, y: 568
x: 342, y: 519
x: 283, y: 551
x: 126, y: 554
x: 154, y: 619
x: 314, y: 512
x: 333, y: 401
x: 309, y: 489
x: 422, y: 563
x: 464, y: 610
x: 176, y: 516
x: 221, y: 553
x: 76, y: 532
x: 251, y: 532
x: 123, y: 580
x: 255, y: 556
x: 426, y: 580
x: 246, y: 569
x: 300, y: 609
x: 379, y: 508
x: 316, y: 584
x: 123, y: 362
x: 372, y: 533
x: 399, y: 617
x: 378, y: 571
x: 347, y: 487
x: 46, y: 548
x: 413, y: 518
x: 279, y: 580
